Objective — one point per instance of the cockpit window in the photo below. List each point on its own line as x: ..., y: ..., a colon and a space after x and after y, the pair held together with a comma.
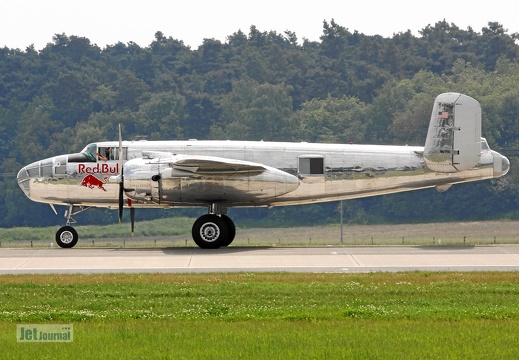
x: 484, y: 145
x: 90, y: 151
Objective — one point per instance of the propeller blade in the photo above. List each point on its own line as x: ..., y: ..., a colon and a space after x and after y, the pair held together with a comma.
x: 121, y: 173
x: 121, y: 186
x: 120, y: 152
x: 132, y: 218
x: 121, y: 201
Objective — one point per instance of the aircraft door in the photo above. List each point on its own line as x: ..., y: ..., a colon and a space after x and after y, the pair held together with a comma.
x: 311, y: 165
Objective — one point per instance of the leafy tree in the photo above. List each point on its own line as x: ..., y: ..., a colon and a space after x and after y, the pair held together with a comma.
x: 264, y: 85
x: 332, y: 120
x: 130, y: 91
x: 36, y: 129
x: 161, y: 116
x: 254, y: 111
x: 71, y: 98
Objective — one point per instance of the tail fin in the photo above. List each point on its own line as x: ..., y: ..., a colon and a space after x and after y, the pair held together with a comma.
x: 454, y: 138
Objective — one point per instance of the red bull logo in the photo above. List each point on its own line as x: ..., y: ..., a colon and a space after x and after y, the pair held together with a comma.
x: 90, y: 181
x: 98, y: 169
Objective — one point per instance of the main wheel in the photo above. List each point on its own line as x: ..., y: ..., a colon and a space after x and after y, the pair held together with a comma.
x: 232, y: 230
x: 210, y: 231
x: 67, y: 237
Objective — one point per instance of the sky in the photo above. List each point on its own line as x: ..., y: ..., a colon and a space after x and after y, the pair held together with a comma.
x: 35, y: 22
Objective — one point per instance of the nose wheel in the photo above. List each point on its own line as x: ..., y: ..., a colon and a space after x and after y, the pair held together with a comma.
x: 66, y: 237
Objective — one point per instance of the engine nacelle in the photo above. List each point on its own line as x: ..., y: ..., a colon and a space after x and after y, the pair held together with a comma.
x: 189, y: 180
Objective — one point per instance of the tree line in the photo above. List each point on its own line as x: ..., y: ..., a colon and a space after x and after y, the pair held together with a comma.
x: 346, y: 87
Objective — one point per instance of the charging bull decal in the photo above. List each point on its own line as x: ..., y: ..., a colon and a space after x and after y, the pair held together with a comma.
x: 91, y: 181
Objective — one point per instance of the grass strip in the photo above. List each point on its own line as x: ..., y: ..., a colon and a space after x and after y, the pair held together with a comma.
x: 250, y: 316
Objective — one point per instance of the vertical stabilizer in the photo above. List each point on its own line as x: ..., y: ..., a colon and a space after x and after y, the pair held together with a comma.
x: 454, y: 138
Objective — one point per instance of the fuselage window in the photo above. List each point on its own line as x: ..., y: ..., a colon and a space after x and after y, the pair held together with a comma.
x: 92, y: 153
x: 115, y: 153
x: 111, y: 153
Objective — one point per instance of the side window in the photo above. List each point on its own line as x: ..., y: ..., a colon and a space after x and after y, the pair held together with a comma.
x: 88, y: 154
x: 112, y: 153
x: 115, y: 153
x: 311, y: 165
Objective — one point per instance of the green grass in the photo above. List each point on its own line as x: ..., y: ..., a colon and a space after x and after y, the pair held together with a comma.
x: 177, y: 232
x: 160, y: 227
x: 341, y: 339
x: 251, y: 316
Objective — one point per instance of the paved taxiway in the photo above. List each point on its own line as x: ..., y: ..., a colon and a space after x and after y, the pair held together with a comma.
x: 260, y: 259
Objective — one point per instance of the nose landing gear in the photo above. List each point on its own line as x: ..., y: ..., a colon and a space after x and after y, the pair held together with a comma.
x: 67, y: 236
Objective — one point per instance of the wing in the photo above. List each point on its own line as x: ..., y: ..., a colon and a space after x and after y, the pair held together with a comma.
x: 194, y: 179
x: 205, y: 165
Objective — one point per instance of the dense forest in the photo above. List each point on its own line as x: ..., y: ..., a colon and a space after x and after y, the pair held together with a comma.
x: 346, y: 87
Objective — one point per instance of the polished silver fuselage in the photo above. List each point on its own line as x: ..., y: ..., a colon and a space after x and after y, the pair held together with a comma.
x: 306, y: 173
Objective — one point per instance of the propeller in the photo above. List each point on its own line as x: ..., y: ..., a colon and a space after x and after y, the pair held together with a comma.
x: 121, y: 186
x: 132, y: 218
x: 121, y: 174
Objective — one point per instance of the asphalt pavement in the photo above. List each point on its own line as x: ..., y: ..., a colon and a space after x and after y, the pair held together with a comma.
x: 260, y: 259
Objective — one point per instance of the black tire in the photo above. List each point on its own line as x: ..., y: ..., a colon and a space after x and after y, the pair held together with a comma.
x: 210, y: 231
x: 67, y: 237
x: 232, y: 230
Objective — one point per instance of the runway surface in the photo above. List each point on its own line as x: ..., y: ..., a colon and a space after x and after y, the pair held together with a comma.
x: 260, y: 259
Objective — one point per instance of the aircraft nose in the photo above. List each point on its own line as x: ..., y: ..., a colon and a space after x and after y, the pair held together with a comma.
x: 23, y: 178
x: 501, y: 164
x: 37, y: 170
x: 505, y: 165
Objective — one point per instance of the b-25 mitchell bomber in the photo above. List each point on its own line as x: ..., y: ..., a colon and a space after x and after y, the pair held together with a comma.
x: 218, y: 175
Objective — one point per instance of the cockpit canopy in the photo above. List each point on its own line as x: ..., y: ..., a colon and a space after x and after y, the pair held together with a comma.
x: 92, y: 152
x: 484, y: 145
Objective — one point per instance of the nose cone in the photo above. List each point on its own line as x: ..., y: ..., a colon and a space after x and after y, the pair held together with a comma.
x: 23, y: 178
x: 501, y: 164
x: 39, y: 170
x: 505, y: 165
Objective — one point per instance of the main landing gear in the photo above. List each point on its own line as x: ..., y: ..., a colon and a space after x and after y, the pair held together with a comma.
x: 215, y: 229
x: 210, y: 231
